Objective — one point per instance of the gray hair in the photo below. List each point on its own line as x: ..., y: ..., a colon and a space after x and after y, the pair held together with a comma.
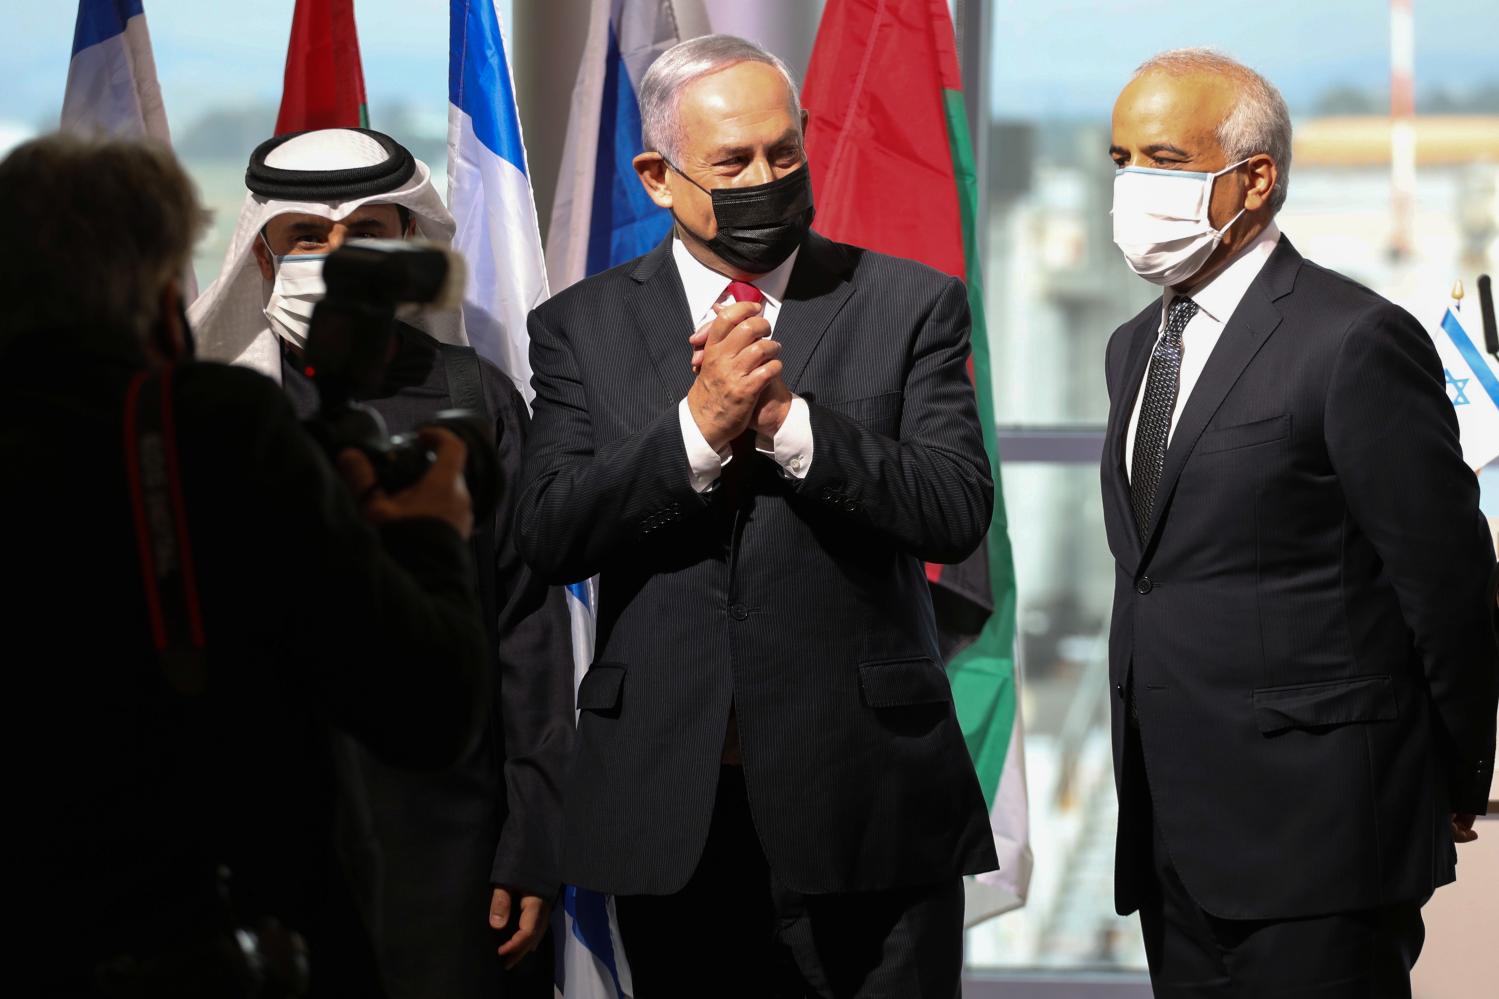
x: 130, y: 216
x: 680, y: 65
x: 1259, y: 122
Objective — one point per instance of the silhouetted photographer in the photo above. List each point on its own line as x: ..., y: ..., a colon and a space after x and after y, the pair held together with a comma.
x: 176, y: 801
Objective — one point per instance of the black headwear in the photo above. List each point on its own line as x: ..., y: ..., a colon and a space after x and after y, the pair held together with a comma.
x: 329, y: 185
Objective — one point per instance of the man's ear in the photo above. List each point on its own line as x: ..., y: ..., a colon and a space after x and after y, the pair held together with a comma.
x: 651, y: 168
x: 1263, y: 174
x: 171, y: 340
x: 263, y: 257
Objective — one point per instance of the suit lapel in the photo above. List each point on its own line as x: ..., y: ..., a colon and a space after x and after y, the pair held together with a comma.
x: 1136, y: 361
x: 662, y: 318
x: 1248, y: 329
x: 816, y: 292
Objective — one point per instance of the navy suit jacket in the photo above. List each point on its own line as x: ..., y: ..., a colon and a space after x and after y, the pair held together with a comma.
x: 804, y: 604
x: 1307, y: 625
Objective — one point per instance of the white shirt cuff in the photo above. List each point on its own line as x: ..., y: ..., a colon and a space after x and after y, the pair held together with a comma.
x: 792, y: 447
x: 706, y: 465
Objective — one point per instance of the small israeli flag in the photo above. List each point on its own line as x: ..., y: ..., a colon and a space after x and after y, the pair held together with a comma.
x: 1473, y: 387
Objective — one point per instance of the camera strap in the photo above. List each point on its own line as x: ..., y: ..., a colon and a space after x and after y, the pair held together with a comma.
x: 465, y: 379
x: 168, y: 576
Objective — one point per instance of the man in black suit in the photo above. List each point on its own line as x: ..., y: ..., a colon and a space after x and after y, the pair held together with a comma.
x: 1302, y: 648
x: 768, y: 771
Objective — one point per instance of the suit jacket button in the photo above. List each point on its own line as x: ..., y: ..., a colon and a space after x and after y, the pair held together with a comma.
x: 1119, y: 689
x: 1144, y: 586
x: 738, y: 612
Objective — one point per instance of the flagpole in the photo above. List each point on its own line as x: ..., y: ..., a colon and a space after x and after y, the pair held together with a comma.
x: 1402, y: 128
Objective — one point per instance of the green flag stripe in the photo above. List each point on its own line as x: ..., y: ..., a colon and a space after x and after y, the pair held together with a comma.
x: 983, y: 675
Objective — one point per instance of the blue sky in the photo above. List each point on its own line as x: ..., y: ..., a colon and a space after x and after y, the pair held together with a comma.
x: 1070, y: 57
x: 1051, y: 57
x: 217, y: 53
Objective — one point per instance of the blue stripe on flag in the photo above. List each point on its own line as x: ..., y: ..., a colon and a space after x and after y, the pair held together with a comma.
x: 479, y: 79
x: 1481, y: 369
x: 625, y: 222
x: 101, y: 19
x: 579, y: 592
x: 590, y: 912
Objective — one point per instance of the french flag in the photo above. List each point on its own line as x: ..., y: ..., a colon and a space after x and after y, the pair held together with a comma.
x: 112, y: 86
x: 489, y: 193
x: 602, y: 216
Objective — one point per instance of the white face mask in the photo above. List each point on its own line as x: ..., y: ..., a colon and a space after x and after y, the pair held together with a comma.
x: 298, y: 288
x: 1161, y: 221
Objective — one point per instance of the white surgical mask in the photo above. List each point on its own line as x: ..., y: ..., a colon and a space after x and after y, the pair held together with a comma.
x: 1161, y: 221
x: 297, y: 290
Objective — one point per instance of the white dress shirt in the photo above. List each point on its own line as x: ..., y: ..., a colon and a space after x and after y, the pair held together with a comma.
x: 1216, y: 302
x: 792, y: 447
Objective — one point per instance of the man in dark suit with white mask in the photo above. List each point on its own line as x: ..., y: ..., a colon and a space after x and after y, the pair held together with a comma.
x: 1302, y: 649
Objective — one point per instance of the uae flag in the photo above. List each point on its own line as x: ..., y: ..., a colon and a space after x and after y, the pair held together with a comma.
x: 324, y: 82
x: 893, y: 171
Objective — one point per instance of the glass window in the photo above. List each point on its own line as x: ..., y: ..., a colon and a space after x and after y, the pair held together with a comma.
x: 1065, y: 577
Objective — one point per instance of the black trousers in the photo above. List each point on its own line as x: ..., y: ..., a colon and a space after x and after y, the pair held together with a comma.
x: 1366, y: 954
x: 734, y: 931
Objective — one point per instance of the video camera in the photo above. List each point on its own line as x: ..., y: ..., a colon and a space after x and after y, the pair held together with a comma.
x: 351, y: 342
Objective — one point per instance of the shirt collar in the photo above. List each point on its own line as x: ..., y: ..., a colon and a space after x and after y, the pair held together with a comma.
x: 704, y: 285
x: 1222, y: 295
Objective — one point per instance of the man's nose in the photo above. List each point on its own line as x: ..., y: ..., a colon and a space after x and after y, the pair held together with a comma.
x: 336, y: 237
x: 758, y: 172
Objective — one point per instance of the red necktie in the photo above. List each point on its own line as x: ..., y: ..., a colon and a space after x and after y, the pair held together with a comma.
x: 742, y: 291
x: 744, y: 444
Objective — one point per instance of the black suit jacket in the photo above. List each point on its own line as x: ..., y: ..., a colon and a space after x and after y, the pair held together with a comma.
x: 426, y: 845
x: 134, y: 795
x: 1307, y: 627
x: 804, y: 604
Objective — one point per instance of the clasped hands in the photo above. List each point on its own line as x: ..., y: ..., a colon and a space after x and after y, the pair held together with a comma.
x: 738, y: 384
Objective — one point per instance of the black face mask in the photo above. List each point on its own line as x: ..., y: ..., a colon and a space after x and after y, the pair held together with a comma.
x: 758, y: 226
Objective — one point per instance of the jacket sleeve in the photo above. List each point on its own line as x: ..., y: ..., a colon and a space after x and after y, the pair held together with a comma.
x: 930, y: 490
x: 581, y: 504
x: 383, y: 626
x: 1392, y: 436
x: 535, y: 694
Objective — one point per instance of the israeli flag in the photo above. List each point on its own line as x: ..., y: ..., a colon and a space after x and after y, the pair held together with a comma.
x: 489, y: 193
x: 112, y: 86
x: 1472, y: 386
x: 602, y: 216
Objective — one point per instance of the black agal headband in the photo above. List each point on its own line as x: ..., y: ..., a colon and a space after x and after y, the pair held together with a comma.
x: 329, y: 185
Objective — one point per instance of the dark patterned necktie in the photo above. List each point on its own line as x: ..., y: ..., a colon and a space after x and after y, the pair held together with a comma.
x: 1154, y: 428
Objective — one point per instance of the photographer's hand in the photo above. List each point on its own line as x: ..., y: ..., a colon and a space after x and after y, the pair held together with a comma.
x: 440, y: 494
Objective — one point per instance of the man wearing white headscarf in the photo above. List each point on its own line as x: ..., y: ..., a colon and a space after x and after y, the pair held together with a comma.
x: 459, y: 868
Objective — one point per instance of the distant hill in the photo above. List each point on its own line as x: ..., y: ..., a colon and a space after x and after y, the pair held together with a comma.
x: 229, y: 134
